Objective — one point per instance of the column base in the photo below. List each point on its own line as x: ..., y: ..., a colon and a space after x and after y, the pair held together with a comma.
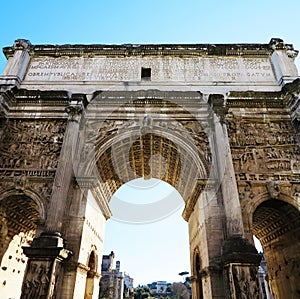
x: 45, y: 255
x: 240, y: 261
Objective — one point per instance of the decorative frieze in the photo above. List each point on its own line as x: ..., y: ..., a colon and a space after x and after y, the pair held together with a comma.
x: 264, y: 149
x: 30, y: 145
x: 86, y: 114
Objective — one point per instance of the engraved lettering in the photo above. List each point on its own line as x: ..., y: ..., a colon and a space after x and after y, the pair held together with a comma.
x: 204, y: 69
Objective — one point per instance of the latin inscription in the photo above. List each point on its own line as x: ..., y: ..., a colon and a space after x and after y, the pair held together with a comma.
x: 162, y: 69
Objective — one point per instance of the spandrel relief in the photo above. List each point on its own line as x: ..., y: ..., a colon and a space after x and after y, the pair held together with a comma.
x: 31, y: 144
x: 263, y: 148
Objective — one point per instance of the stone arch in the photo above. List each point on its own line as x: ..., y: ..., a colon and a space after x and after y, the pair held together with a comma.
x: 261, y: 198
x: 92, y: 260
x: 101, y: 162
x: 112, y: 123
x: 19, y: 215
x: 148, y: 110
x: 40, y: 202
x: 146, y: 160
x: 20, y: 211
x: 118, y: 148
x: 276, y: 223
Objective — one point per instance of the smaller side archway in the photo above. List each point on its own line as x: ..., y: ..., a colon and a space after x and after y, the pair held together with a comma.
x: 197, y: 277
x: 90, y: 286
x: 276, y: 224
x: 18, y: 217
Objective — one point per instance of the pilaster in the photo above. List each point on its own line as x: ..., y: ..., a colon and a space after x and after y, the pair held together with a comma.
x: 283, y: 61
x: 16, y: 66
x: 84, y: 231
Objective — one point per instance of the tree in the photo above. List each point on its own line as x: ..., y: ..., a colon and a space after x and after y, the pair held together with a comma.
x: 141, y: 293
x: 180, y: 291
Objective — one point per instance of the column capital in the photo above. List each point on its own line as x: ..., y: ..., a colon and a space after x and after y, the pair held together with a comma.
x: 21, y: 44
x: 86, y: 182
x: 218, y: 104
x: 74, y: 111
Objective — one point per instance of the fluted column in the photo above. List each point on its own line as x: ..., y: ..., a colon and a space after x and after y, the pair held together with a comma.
x: 239, y: 257
x: 64, y: 171
x: 48, y: 250
x: 225, y: 170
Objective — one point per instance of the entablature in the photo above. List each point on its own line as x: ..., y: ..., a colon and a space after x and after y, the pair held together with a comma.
x: 125, y: 50
x: 23, y: 103
x: 216, y: 68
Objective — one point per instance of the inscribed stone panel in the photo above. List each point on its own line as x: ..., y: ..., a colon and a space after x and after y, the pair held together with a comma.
x: 191, y: 69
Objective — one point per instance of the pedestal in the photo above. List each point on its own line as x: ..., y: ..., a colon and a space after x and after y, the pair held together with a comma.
x: 240, y: 260
x: 45, y: 255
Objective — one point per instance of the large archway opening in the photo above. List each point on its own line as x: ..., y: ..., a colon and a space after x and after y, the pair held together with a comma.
x: 152, y: 175
x: 150, y: 155
x: 277, y: 225
x: 19, y: 214
x: 150, y: 140
x: 152, y: 251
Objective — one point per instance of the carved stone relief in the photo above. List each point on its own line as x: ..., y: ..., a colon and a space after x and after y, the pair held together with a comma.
x: 30, y: 144
x: 96, y: 134
x: 37, y: 280
x: 243, y: 282
x: 43, y: 189
x: 264, y: 151
x: 245, y: 191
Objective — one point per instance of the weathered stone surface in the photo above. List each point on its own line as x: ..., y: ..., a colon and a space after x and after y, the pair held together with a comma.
x: 204, y: 69
x: 220, y: 123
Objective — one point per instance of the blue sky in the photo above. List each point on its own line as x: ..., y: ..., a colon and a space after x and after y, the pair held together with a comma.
x: 157, y: 251
x: 156, y: 21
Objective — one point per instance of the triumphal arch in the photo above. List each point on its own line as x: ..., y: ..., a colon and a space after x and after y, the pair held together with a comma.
x: 219, y: 123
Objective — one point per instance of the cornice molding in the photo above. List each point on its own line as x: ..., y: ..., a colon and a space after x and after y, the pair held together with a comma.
x: 254, y: 99
x: 152, y: 49
x: 48, y: 104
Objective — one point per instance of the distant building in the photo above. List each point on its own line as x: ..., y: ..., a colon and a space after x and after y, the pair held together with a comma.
x: 128, y: 286
x: 107, y: 262
x: 112, y: 280
x: 158, y: 287
x: 161, y: 286
x: 152, y: 287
